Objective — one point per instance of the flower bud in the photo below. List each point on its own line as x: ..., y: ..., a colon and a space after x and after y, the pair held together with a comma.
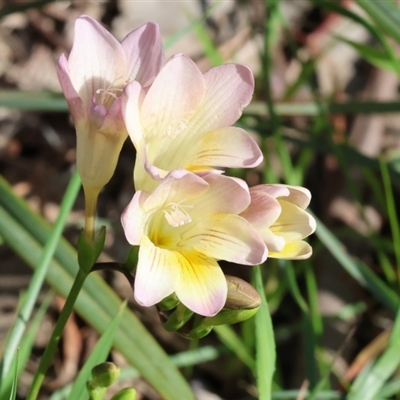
x: 125, y: 394
x: 105, y: 374
x: 241, y: 295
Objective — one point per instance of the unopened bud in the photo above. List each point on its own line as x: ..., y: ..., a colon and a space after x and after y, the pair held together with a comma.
x: 241, y: 295
x: 105, y: 374
x: 125, y: 394
x: 95, y: 392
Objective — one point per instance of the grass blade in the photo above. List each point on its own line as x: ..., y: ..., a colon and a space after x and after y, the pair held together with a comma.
x: 97, y: 356
x: 265, y: 343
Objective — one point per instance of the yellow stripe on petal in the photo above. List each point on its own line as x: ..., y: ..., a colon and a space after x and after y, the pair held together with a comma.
x: 202, y: 285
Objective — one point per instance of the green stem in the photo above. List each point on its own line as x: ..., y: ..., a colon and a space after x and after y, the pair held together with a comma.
x: 55, y: 337
x: 91, y: 196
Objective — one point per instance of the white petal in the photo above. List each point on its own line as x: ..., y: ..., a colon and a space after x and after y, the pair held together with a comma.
x: 157, y: 273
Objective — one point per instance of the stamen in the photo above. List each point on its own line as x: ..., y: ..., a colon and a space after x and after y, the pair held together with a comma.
x: 174, y: 130
x: 104, y: 95
x: 176, y: 215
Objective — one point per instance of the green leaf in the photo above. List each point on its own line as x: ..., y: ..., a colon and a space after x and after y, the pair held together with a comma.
x: 98, y: 355
x: 24, y: 350
x: 265, y: 343
x: 366, y: 386
x: 232, y: 341
x: 374, y: 56
x: 358, y: 270
x: 385, y: 14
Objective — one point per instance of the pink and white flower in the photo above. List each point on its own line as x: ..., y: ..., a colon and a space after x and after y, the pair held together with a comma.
x: 278, y: 213
x: 183, y: 228
x: 93, y: 78
x: 185, y: 119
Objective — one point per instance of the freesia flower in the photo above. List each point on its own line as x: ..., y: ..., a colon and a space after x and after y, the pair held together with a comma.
x: 184, y: 120
x: 92, y: 79
x: 278, y: 213
x: 183, y: 228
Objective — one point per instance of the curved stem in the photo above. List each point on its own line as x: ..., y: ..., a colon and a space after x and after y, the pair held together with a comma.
x: 55, y: 337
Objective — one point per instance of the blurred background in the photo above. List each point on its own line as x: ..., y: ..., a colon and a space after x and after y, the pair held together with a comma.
x: 325, y: 113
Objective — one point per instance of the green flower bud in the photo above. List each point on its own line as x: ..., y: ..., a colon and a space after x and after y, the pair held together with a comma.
x: 95, y: 392
x: 125, y: 394
x: 242, y: 302
x: 105, y: 374
x: 229, y: 317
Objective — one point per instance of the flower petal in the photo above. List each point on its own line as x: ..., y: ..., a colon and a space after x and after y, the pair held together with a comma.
x: 132, y: 99
x: 293, y: 223
x: 179, y: 185
x: 202, y: 286
x: 297, y: 195
x: 97, y: 59
x: 78, y: 112
x: 174, y: 95
x: 298, y: 250
x: 226, y: 147
x: 143, y: 48
x: 263, y: 211
x: 225, y: 195
x: 157, y: 273
x: 229, y: 89
x: 132, y: 218
x: 227, y: 237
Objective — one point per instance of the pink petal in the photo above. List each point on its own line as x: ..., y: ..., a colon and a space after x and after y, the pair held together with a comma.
x: 78, y: 112
x: 157, y: 273
x: 263, y: 211
x: 229, y: 89
x: 133, y: 218
x: 297, y: 195
x: 132, y: 99
x: 202, y: 285
x: 97, y: 59
x: 225, y: 195
x: 227, y: 237
x: 226, y: 147
x: 274, y: 191
x: 144, y: 51
x: 178, y: 185
x: 175, y: 93
x: 113, y: 123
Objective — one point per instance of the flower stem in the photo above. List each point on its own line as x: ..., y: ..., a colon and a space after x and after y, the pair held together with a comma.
x: 55, y: 337
x: 91, y: 196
